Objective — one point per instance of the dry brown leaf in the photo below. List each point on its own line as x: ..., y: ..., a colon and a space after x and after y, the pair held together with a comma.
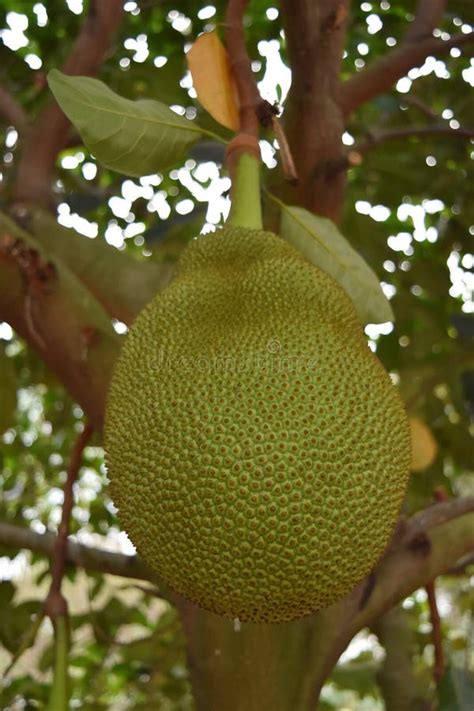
x: 424, y: 447
x: 212, y: 79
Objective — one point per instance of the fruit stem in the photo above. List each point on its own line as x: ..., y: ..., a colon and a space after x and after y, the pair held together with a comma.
x: 59, y: 696
x: 243, y: 160
x: 245, y: 82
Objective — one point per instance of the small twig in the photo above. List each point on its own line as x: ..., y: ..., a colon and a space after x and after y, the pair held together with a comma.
x: 462, y: 565
x: 268, y: 115
x: 145, y: 589
x: 379, y: 76
x: 435, y: 515
x: 438, y: 669
x: 440, y: 495
x: 249, y: 98
x: 287, y: 162
x: 55, y: 603
x: 417, y: 103
x: 374, y: 139
x: 377, y: 137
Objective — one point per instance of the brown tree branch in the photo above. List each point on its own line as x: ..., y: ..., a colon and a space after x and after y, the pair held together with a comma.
x: 417, y: 103
x: 50, y: 131
x: 55, y: 603
x: 48, y: 306
x: 121, y: 283
x: 415, y: 47
x: 439, y: 666
x: 249, y: 97
x: 404, y: 570
x: 427, y: 14
x: 376, y: 138
x: 11, y: 110
x: 440, y: 495
x: 435, y: 515
x: 461, y: 566
x: 82, y: 556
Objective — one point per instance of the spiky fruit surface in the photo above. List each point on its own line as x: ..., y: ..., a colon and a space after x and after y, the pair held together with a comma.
x: 257, y: 450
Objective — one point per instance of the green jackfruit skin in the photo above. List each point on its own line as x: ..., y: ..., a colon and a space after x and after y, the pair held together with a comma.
x: 257, y: 450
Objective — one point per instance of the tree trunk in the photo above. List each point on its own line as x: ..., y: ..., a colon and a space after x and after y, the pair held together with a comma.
x: 263, y: 667
x: 248, y: 667
x: 314, y: 121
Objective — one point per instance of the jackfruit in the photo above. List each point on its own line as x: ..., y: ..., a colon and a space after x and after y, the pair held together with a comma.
x: 257, y: 450
x: 424, y: 446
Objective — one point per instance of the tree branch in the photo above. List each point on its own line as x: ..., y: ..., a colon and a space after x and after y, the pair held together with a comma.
x: 49, y: 133
x: 407, y: 569
x: 411, y: 562
x: 121, y: 283
x: 380, y: 76
x: 435, y: 515
x: 249, y: 97
x: 417, y: 103
x: 376, y: 138
x: 439, y: 665
x: 77, y: 554
x: 12, y: 111
x: 427, y: 15
x: 48, y: 306
x: 55, y: 604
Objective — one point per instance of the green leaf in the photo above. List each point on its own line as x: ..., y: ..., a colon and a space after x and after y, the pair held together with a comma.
x: 133, y: 137
x: 357, y: 676
x: 7, y: 591
x: 456, y: 690
x: 7, y: 392
x: 319, y: 240
x: 17, y: 622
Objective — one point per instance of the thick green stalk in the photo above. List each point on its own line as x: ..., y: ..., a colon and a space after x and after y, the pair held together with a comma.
x: 59, y: 697
x: 246, y: 209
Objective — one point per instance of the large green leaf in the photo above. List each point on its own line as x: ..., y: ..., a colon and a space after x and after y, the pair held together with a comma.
x: 319, y: 240
x: 133, y: 137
